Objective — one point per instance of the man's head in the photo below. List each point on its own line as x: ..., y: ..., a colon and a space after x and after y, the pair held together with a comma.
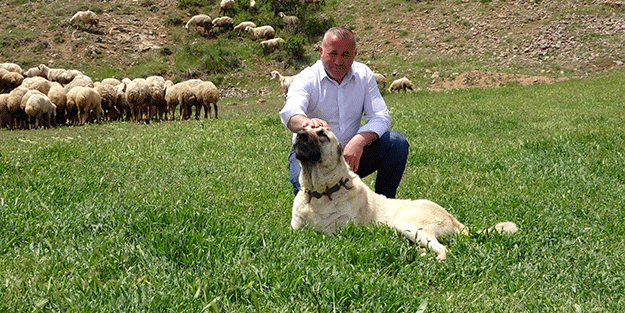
x: 338, y: 51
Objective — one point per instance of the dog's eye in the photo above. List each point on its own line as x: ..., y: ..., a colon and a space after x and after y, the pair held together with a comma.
x: 322, y: 135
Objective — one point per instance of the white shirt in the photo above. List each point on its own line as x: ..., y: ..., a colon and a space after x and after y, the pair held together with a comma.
x: 315, y: 95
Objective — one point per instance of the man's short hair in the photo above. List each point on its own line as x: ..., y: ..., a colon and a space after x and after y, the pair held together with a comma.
x: 340, y: 32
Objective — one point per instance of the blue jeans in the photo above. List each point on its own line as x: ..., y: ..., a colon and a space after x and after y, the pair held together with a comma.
x: 387, y: 156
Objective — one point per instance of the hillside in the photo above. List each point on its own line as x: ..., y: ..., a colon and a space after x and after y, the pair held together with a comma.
x: 437, y: 44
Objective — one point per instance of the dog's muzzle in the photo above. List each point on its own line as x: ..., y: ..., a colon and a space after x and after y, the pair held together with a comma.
x: 307, y: 147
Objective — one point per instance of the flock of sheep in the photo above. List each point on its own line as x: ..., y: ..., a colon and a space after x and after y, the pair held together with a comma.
x: 43, y: 96
x: 265, y: 33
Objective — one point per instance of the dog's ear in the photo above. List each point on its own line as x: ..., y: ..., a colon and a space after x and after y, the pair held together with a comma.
x: 339, y: 150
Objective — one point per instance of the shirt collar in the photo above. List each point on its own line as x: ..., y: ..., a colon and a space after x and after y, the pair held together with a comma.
x: 324, y: 75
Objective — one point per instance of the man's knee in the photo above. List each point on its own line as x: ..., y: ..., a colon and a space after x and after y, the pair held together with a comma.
x: 399, y: 143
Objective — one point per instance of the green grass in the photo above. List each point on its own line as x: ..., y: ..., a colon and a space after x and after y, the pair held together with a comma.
x: 195, y: 216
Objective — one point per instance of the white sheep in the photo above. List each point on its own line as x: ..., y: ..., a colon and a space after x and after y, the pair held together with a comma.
x: 38, y: 83
x: 79, y: 81
x: 200, y: 20
x: 108, y: 95
x: 39, y: 108
x: 158, y: 103
x: 4, y: 110
x: 226, y: 6
x: 58, y: 97
x: 111, y: 81
x: 241, y: 27
x: 12, y: 67
x: 253, y: 5
x: 272, y: 44
x: 224, y: 22
x: 86, y: 102
x: 16, y: 115
x: 183, y: 95
x: 33, y: 71
x: 85, y: 18
x: 9, y: 80
x: 401, y: 84
x: 285, y: 81
x: 138, y: 96
x: 122, y: 100
x: 206, y: 93
x: 56, y: 74
x: 289, y: 20
x: 380, y: 80
x: 261, y: 32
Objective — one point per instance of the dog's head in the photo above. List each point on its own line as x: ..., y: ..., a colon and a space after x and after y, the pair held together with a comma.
x: 317, y: 145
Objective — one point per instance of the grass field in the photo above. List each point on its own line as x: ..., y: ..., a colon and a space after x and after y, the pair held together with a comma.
x: 194, y: 216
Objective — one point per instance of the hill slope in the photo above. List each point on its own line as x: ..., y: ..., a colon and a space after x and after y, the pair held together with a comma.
x: 438, y: 44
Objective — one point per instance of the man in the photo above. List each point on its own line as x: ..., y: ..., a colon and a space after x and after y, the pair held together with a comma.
x: 335, y: 93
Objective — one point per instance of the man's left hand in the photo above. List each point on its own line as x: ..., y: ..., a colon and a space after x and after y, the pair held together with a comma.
x: 354, y: 148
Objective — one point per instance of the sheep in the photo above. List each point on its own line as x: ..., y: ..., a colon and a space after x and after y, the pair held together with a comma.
x: 271, y: 44
x: 289, y: 20
x: 401, y: 84
x: 111, y: 81
x: 138, y: 95
x: 38, y: 107
x: 226, y: 6
x: 224, y: 22
x: 380, y: 80
x: 16, y: 115
x: 171, y: 98
x: 157, y: 88
x: 253, y: 5
x: 4, y: 110
x: 12, y: 67
x: 285, y: 81
x: 58, y: 97
x: 108, y: 94
x: 261, y: 32
x: 38, y: 83
x: 205, y: 94
x: 33, y: 71
x: 74, y: 73
x: 85, y: 17
x: 200, y: 20
x: 122, y: 100
x: 9, y: 80
x: 79, y: 81
x: 241, y: 27
x: 183, y: 95
x: 86, y: 101
x: 56, y: 74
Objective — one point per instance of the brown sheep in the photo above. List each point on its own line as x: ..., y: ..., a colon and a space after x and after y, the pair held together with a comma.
x: 401, y: 84
x: 84, y: 18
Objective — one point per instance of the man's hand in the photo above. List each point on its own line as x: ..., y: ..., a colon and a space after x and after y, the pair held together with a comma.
x: 354, y: 148
x: 298, y: 122
x: 315, y: 123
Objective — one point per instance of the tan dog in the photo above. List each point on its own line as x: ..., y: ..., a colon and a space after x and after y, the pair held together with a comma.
x: 331, y: 195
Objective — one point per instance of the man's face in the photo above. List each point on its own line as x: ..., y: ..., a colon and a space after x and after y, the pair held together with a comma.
x: 337, y: 56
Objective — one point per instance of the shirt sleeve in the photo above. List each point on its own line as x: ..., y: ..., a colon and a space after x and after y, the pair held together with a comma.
x: 377, y: 117
x: 297, y: 99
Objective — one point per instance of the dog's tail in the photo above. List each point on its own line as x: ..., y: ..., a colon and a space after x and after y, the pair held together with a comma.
x: 502, y: 228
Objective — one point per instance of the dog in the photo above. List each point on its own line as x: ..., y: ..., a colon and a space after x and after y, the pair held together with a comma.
x: 331, y: 195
